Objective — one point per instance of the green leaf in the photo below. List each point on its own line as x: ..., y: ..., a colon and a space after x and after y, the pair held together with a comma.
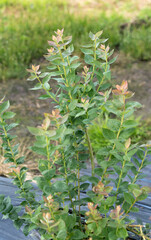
x: 59, y: 186
x: 108, y: 134
x: 51, y: 68
x: 4, y: 106
x: 98, y: 171
x: 18, y: 223
x: 75, y: 65
x: 46, y: 79
x: 134, y: 209
x: 8, y: 115
x: 36, y: 131
x: 130, y: 123
x: 132, y: 152
x: 2, y: 196
x: 25, y: 229
x: 37, y: 87
x: 46, y: 86
x: 98, y: 34
x: 84, y: 186
x: 129, y: 198
x: 105, y: 86
x: 70, y: 220
x: 70, y: 49
x: 92, y: 36
x: 77, y: 234
x: 142, y: 197
x: 32, y: 226
x: 64, y: 119
x: 45, y: 96
x: 51, y: 133
x: 107, y: 74
x: 122, y: 233
x: 133, y: 186
x: 133, y: 104
x: 80, y: 114
x: 11, y: 126
x: 88, y: 59
x: 49, y: 174
x: 119, y: 146
x: 112, y: 60
x: 31, y: 78
x: 39, y: 150
x: 73, y: 58
x: 86, y: 51
x: 42, y: 75
x: 8, y: 160
x: 110, y: 201
x: 104, y: 40
x: 110, y: 53
x: 20, y: 160
x: 112, y: 234
x: 103, y: 151
x: 68, y: 131
x: 137, y: 192
x: 127, y: 133
x: 62, y: 234
x: 113, y: 124
x: 93, y: 180
x: 8, y: 205
x: 73, y: 104
x: 42, y: 165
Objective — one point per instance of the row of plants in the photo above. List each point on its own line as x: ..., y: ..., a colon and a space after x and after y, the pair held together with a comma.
x: 21, y: 26
x: 64, y: 147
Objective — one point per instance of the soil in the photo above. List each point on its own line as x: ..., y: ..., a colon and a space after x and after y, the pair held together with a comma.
x: 138, y: 75
x: 29, y: 109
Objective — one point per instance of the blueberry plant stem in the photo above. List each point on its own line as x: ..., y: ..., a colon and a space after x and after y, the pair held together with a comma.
x: 121, y: 174
x: 94, y: 59
x: 90, y: 152
x: 14, y: 159
x: 141, y: 166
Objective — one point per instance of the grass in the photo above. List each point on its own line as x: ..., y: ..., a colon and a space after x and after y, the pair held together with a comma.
x: 25, y: 28
x: 138, y: 43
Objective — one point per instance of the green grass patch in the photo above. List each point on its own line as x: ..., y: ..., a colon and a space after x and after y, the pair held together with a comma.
x: 25, y: 26
x: 137, y: 43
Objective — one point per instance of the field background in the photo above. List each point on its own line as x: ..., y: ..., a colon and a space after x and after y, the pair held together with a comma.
x: 26, y: 25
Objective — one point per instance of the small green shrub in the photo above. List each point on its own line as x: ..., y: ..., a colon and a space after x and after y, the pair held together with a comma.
x: 140, y: 132
x: 61, y: 144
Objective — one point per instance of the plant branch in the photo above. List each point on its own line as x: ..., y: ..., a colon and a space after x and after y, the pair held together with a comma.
x: 45, y: 88
x: 140, y: 166
x: 118, y: 133
x: 90, y: 152
x: 138, y: 234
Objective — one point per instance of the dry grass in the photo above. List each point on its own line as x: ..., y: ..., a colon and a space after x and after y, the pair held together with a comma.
x: 128, y: 8
x: 30, y: 161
